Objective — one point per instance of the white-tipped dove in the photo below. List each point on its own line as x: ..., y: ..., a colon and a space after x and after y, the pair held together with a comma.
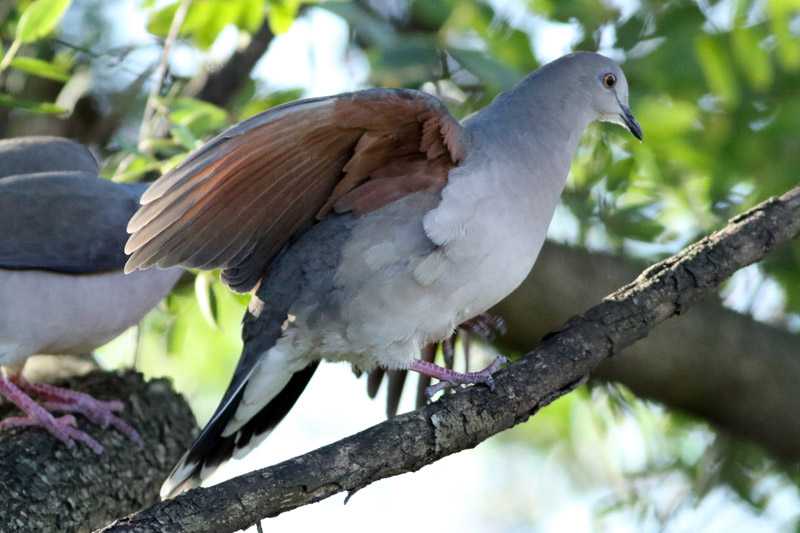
x: 62, y: 286
x: 369, y: 225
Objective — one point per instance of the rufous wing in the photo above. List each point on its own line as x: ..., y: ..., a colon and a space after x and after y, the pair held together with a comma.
x: 235, y: 202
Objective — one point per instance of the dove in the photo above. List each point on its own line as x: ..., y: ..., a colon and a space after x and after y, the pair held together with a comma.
x: 62, y: 286
x: 368, y: 225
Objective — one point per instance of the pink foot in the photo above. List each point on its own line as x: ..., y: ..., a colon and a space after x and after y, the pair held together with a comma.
x: 450, y: 378
x: 68, y: 401
x: 61, y: 428
x: 482, y: 325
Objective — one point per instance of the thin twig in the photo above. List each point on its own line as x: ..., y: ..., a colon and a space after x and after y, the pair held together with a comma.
x: 146, y: 129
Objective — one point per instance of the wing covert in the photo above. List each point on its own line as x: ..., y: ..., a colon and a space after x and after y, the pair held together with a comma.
x: 235, y: 202
x: 64, y: 221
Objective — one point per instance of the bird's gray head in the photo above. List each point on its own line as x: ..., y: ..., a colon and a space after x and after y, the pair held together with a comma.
x: 604, y: 85
x: 574, y: 90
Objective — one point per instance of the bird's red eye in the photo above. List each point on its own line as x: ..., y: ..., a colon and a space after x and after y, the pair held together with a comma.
x: 609, y: 80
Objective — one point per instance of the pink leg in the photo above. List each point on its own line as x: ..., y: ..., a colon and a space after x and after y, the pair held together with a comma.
x: 482, y: 325
x: 450, y: 378
x: 68, y: 401
x: 61, y: 428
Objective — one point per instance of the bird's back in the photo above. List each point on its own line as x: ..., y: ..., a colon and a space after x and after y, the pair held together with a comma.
x: 62, y: 289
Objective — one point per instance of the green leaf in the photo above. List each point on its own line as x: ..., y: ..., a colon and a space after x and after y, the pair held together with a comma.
x: 752, y: 58
x: 206, y: 19
x: 200, y: 117
x: 184, y: 136
x: 136, y: 170
x: 591, y: 13
x: 277, y: 98
x: 781, y: 12
x: 282, y: 14
x: 46, y: 108
x: 131, y: 148
x: 716, y: 64
x: 406, y: 62
x: 40, y: 68
x: 667, y: 118
x: 631, y: 222
x: 433, y: 13
x: 619, y: 174
x: 252, y: 15
x: 507, y: 46
x: 371, y: 28
x: 161, y: 20
x: 40, y: 19
x: 206, y: 299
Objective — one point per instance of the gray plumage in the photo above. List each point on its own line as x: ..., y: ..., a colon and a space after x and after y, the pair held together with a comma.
x: 31, y: 155
x: 62, y: 236
x: 424, y: 224
x: 65, y: 222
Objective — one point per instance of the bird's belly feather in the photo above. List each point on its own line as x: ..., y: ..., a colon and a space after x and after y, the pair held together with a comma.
x: 99, y: 307
x: 394, y: 290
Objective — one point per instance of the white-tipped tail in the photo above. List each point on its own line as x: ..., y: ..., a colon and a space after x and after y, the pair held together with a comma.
x: 256, y: 401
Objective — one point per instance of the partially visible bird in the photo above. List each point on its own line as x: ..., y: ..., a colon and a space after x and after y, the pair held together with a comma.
x: 62, y: 286
x: 369, y: 224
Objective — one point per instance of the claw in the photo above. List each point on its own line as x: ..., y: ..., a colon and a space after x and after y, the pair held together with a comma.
x: 18, y: 390
x: 450, y: 378
x: 483, y: 325
x: 62, y: 428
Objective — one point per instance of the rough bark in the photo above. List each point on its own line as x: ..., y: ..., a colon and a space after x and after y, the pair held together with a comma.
x: 460, y: 421
x: 46, y: 487
x: 712, y: 363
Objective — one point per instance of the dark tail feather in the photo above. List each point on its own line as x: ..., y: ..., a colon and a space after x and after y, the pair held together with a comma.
x: 210, y: 449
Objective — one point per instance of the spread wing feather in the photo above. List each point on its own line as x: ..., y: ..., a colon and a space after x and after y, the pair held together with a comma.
x: 235, y: 202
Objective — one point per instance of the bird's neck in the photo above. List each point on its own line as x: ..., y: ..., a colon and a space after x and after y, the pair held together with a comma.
x: 535, y: 130
x: 539, y: 117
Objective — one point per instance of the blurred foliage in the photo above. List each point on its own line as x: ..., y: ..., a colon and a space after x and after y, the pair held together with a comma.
x: 715, y: 85
x: 651, y: 464
x: 30, y: 23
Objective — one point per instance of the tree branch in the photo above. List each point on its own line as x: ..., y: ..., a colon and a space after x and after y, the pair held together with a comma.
x: 47, y: 488
x: 461, y: 421
x: 222, y: 84
x: 712, y: 363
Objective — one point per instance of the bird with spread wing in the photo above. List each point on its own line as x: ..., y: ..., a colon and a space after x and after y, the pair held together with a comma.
x: 369, y: 225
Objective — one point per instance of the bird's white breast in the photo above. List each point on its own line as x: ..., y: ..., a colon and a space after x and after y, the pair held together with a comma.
x: 53, y: 313
x: 415, y: 269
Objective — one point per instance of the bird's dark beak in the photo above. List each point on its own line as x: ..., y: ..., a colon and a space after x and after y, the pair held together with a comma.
x: 631, y: 122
